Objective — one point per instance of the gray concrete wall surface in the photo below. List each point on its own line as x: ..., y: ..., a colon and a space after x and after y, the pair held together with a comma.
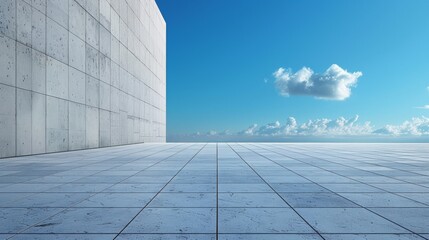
x: 78, y: 74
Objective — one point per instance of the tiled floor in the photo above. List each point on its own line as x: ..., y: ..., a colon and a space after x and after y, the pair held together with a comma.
x: 219, y: 191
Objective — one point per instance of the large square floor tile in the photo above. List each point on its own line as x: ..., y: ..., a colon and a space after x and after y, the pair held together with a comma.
x: 174, y: 220
x: 261, y: 220
x: 414, y: 219
x: 348, y: 220
x: 86, y: 220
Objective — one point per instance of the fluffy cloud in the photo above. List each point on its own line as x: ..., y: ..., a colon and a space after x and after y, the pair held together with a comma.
x: 335, y: 83
x: 418, y: 126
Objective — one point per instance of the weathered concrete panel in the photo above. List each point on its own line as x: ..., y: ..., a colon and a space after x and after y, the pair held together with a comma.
x: 56, y: 78
x: 105, y: 41
x: 8, y: 18
x: 114, y: 74
x: 114, y: 100
x: 40, y: 5
x: 104, y: 128
x: 23, y: 66
x: 58, y: 11
x: 77, y: 87
x: 92, y: 127
x: 114, y: 49
x: 115, y: 130
x: 92, y: 31
x: 23, y: 22
x: 92, y: 6
x: 105, y: 13
x: 38, y: 72
x: 57, y: 124
x: 38, y: 31
x: 104, y: 96
x: 57, y: 41
x: 77, y: 116
x: 23, y: 122
x: 76, y: 19
x: 92, y: 61
x: 7, y: 121
x: 38, y: 123
x: 76, y: 52
x: 7, y: 60
x: 92, y: 92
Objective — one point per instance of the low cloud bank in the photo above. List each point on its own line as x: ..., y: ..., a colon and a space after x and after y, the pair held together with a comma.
x: 318, y: 129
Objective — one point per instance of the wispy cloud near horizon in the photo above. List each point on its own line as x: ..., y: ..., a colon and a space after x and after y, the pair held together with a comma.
x: 334, y: 84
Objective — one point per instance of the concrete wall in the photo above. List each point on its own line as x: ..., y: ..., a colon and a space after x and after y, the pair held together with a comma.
x: 77, y: 74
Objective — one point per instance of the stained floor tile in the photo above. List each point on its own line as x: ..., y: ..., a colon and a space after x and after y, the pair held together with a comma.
x: 86, y: 220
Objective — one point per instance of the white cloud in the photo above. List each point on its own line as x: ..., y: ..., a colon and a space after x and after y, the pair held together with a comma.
x: 418, y: 126
x: 335, y: 83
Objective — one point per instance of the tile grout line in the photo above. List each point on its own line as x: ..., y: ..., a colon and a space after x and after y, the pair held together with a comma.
x: 217, y: 191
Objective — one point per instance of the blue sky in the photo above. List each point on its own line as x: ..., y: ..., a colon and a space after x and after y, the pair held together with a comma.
x: 221, y: 56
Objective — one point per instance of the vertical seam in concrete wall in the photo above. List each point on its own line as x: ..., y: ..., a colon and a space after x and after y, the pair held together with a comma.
x: 99, y: 74
x: 85, y: 74
x: 110, y: 79
x: 31, y: 73
x: 46, y: 76
x: 16, y: 77
x: 68, y: 74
